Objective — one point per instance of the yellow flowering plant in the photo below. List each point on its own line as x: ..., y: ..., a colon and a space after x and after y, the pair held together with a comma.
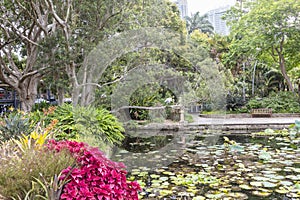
x: 36, y: 139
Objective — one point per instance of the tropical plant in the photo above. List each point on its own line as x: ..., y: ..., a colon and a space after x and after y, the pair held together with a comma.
x: 14, y: 125
x: 52, y: 190
x: 66, y: 124
x: 98, y: 122
x: 96, y: 176
x: 86, y: 121
x: 198, y: 22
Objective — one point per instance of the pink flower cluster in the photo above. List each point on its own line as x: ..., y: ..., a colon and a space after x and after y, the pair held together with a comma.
x: 97, y: 177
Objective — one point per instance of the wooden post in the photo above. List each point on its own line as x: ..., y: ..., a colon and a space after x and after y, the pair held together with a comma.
x: 181, y: 111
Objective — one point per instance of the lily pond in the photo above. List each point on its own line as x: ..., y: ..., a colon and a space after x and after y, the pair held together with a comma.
x: 264, y: 165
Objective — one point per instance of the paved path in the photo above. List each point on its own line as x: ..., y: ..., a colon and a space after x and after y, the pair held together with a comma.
x: 241, y: 121
x: 238, y: 125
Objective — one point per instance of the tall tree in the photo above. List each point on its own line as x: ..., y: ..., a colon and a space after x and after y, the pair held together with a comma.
x: 117, y: 16
x: 273, y: 27
x: 24, y: 25
x: 199, y: 22
x: 51, y: 33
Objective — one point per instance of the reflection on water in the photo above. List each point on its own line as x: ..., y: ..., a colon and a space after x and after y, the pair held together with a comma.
x: 151, y: 152
x: 143, y: 149
x: 181, y: 165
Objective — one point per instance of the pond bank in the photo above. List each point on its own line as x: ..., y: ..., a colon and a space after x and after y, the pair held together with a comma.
x: 237, y: 124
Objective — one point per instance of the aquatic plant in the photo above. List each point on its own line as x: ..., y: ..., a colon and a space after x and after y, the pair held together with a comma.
x: 259, y: 166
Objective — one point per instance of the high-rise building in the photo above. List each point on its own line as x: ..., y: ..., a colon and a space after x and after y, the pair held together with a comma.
x: 215, y: 18
x: 182, y: 6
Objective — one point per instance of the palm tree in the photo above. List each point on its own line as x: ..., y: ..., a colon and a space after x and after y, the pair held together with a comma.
x: 197, y: 22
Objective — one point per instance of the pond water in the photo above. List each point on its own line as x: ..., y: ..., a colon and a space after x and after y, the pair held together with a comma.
x: 195, y: 166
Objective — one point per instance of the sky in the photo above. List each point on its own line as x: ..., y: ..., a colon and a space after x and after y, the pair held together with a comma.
x: 204, y: 6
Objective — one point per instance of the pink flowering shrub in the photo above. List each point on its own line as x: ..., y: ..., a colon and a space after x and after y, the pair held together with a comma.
x: 96, y: 177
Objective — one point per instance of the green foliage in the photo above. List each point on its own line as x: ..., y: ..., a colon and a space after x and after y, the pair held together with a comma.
x: 270, y: 27
x: 131, y: 124
x: 234, y: 102
x: 19, y: 169
x: 188, y: 117
x: 197, y: 22
x: 14, y: 125
x: 76, y: 121
x: 99, y: 123
x: 66, y: 123
x: 40, y: 106
x: 281, y: 102
x: 148, y: 95
x: 52, y: 190
x: 153, y: 13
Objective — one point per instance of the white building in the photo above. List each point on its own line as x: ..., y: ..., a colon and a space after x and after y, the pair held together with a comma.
x: 215, y: 18
x: 182, y: 6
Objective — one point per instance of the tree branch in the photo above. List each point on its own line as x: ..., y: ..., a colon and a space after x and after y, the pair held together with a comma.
x: 145, y: 108
x: 100, y: 86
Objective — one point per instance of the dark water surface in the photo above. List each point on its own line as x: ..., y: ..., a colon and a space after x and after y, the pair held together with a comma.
x: 183, y: 165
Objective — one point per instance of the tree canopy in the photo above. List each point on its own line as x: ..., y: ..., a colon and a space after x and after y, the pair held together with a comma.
x: 269, y: 29
x: 199, y: 22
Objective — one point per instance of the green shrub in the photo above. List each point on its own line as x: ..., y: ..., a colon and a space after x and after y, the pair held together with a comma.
x: 281, y: 102
x: 66, y: 128
x: 86, y: 121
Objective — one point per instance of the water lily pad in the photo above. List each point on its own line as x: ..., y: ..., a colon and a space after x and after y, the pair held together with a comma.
x: 287, y: 162
x: 282, y: 190
x: 237, y: 195
x: 168, y: 173
x: 246, y: 187
x: 199, y: 198
x: 286, y: 183
x: 154, y: 176
x: 261, y: 194
x: 274, y: 176
x: 163, y: 178
x: 256, y: 183
x: 293, y: 177
x: 152, y: 195
x: 215, y: 196
x: 297, y: 170
x: 260, y: 178
x: 269, y: 184
x: 264, y: 155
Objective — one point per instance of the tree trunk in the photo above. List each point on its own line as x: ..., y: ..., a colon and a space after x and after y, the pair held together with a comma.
x: 281, y: 61
x: 60, y: 95
x: 299, y: 87
x: 27, y: 91
x: 253, y: 78
x: 284, y: 72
